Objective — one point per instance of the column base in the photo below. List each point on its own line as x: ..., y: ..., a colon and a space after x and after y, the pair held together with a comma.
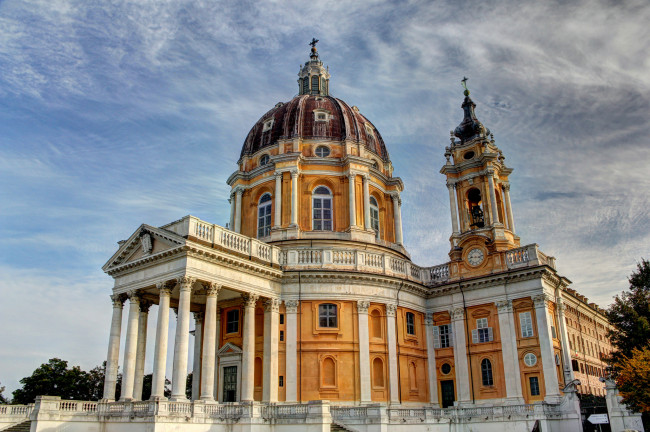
x: 127, y: 399
x: 178, y: 399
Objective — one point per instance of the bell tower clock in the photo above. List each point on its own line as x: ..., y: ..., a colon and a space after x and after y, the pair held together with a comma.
x: 479, y: 196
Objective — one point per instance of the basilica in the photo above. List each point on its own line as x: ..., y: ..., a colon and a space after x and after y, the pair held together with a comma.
x: 309, y: 314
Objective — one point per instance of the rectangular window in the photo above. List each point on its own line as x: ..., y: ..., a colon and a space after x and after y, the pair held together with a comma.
x: 445, y: 336
x: 482, y: 333
x: 534, y: 386
x: 281, y: 336
x: 410, y: 323
x: 574, y: 365
x: 526, y: 324
x: 327, y: 315
x: 553, y: 332
x: 232, y: 321
x: 281, y: 319
x: 281, y: 381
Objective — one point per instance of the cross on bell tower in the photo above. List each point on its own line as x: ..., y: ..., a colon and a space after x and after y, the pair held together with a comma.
x: 313, y: 78
x: 479, y: 193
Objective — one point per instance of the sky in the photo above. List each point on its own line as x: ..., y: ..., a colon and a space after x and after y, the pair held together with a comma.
x: 114, y: 114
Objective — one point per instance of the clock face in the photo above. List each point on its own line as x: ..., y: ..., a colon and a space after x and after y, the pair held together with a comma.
x: 475, y: 257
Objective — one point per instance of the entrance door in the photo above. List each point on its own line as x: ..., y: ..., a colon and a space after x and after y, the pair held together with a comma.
x: 230, y: 384
x: 447, y: 391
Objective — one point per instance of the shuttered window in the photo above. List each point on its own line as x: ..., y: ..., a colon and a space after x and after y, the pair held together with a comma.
x: 482, y: 333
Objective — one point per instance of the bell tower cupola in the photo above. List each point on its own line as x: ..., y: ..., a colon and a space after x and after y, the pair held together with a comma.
x: 479, y: 191
x: 313, y: 78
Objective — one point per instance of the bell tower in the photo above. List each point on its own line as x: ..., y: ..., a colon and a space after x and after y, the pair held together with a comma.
x: 313, y: 77
x: 479, y: 196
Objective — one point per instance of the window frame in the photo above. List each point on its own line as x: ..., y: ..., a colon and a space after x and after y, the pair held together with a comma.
x: 322, y: 199
x: 229, y: 322
x: 264, y: 229
x: 264, y: 160
x: 322, y: 147
x: 410, y: 326
x: 487, y: 374
x: 374, y: 216
x: 328, y: 316
x: 526, y: 323
x: 530, y: 386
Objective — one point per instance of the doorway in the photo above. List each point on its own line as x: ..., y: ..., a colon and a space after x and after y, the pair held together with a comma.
x: 230, y: 384
x: 447, y: 392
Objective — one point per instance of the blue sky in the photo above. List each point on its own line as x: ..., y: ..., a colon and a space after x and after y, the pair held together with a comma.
x: 113, y: 115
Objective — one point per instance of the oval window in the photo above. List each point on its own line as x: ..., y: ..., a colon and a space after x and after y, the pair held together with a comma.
x: 322, y: 151
x: 530, y: 359
x: 264, y: 160
x: 445, y: 369
x: 468, y: 155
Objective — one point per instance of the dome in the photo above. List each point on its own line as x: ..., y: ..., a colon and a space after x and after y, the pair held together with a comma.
x: 317, y: 117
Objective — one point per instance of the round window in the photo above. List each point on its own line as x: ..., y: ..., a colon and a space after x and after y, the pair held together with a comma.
x: 468, y: 155
x: 530, y: 359
x: 322, y: 151
x: 264, y: 160
x: 445, y: 368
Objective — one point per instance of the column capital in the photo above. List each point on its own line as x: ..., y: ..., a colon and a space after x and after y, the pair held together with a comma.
x: 238, y: 190
x: 185, y: 282
x: 212, y: 289
x: 391, y: 309
x: 144, y: 306
x: 457, y: 314
x: 362, y: 306
x: 165, y: 288
x: 294, y: 173
x: 278, y: 174
x: 134, y: 296
x: 198, y: 316
x: 291, y: 306
x: 505, y: 186
x: 117, y: 300
x: 428, y: 319
x: 272, y: 305
x: 365, y: 177
x: 451, y: 186
x: 249, y: 299
x: 540, y: 300
x: 504, y: 306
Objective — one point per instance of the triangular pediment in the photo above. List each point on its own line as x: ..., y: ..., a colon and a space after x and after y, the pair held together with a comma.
x: 229, y: 349
x: 146, y: 241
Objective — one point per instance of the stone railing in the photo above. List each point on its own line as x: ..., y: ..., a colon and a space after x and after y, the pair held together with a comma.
x: 439, y: 274
x: 298, y: 411
x: 78, y: 406
x: 528, y: 256
x: 17, y: 411
x: 348, y: 412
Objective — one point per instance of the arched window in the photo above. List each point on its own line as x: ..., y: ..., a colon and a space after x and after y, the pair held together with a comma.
x: 475, y: 211
x: 264, y: 216
x: 374, y: 216
x: 264, y: 159
x: 314, y: 84
x: 486, y: 372
x: 305, y: 85
x: 322, y: 209
x: 377, y: 372
x: 327, y: 315
x: 375, y: 323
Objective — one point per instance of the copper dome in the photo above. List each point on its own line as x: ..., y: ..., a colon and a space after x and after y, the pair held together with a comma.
x: 298, y: 118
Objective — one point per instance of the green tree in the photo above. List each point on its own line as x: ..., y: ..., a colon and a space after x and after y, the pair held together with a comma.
x: 633, y: 380
x: 3, y: 400
x: 630, y: 316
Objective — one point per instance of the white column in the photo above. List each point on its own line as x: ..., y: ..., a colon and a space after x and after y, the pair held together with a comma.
x: 397, y: 215
x: 130, y: 347
x: 112, y: 358
x: 294, y: 198
x: 291, y: 346
x: 352, y: 204
x: 546, y: 348
x: 392, y: 353
x: 181, y: 342
x: 209, y: 341
x: 160, y: 350
x: 215, y: 393
x: 364, y: 351
x: 271, y: 339
x: 452, y: 206
x: 231, y: 200
x: 238, y: 194
x: 509, y: 351
x: 460, y: 355
x: 248, y: 350
x: 564, y: 339
x: 431, y: 356
x: 506, y: 198
x: 366, y: 202
x: 494, y: 211
x: 278, y: 200
x: 142, y: 350
x: 196, y: 359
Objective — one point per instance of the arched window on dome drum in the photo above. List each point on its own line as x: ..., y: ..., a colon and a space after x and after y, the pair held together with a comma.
x: 264, y: 160
x: 374, y: 216
x: 314, y: 84
x: 322, y: 209
x: 305, y: 85
x: 486, y: 372
x: 264, y: 216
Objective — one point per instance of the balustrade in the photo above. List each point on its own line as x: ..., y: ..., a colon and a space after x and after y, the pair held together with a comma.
x: 344, y: 257
x: 348, y: 412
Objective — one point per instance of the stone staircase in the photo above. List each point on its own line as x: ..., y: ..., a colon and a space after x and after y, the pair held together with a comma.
x: 19, y: 427
x: 338, y: 427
